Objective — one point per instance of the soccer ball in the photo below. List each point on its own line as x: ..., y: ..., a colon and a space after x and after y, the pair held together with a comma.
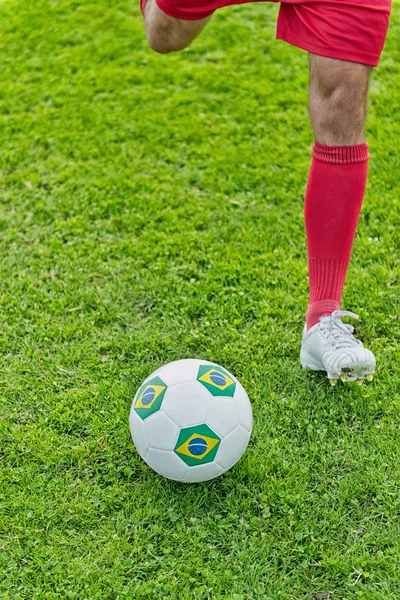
x: 191, y: 420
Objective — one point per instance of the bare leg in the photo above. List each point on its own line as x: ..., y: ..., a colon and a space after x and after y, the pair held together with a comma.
x: 338, y: 100
x: 166, y: 34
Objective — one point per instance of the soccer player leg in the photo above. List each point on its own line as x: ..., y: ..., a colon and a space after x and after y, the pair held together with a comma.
x: 166, y: 33
x: 335, y: 192
x: 344, y: 39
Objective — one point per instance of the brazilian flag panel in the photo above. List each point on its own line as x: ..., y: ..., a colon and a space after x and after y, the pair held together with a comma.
x: 149, y: 397
x: 197, y: 445
x: 216, y: 380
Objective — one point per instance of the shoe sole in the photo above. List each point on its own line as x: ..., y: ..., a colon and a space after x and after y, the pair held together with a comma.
x: 358, y: 373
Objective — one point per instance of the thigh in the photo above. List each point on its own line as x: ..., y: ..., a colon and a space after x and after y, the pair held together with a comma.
x: 328, y: 74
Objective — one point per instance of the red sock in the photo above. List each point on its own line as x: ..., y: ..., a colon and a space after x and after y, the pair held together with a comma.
x: 142, y: 5
x: 335, y: 192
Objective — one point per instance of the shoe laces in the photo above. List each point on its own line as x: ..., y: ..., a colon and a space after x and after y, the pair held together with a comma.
x: 339, y: 334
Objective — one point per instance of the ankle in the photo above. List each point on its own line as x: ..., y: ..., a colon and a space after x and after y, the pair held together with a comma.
x: 316, y: 310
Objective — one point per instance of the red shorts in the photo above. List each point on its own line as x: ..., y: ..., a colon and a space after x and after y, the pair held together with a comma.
x: 353, y: 30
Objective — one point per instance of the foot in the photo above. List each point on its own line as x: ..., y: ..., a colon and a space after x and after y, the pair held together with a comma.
x: 330, y: 346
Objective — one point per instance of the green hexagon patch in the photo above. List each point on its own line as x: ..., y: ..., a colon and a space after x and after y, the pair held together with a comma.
x: 149, y: 397
x: 216, y: 380
x: 197, y: 445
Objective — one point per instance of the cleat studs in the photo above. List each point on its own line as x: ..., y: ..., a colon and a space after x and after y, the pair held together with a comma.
x: 344, y: 379
x: 359, y: 382
x: 369, y: 377
x: 332, y: 382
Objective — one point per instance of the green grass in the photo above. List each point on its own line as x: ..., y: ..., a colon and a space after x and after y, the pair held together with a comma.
x: 152, y: 210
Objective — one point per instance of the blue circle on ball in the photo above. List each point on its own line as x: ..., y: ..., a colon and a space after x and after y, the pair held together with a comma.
x: 148, y: 396
x: 218, y: 378
x: 197, y: 446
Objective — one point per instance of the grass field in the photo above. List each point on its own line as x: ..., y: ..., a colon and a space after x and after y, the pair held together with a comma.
x: 151, y: 209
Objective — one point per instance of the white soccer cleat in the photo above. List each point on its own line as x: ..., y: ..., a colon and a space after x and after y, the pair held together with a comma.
x: 330, y: 346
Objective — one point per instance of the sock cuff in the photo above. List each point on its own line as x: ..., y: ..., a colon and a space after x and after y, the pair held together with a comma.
x: 142, y: 5
x: 341, y: 155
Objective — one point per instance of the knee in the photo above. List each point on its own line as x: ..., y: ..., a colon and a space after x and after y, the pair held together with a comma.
x: 165, y: 40
x: 166, y: 34
x: 345, y: 101
x: 159, y: 47
x: 160, y: 44
x: 339, y: 112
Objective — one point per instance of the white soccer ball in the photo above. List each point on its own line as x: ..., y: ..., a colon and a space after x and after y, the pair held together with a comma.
x: 191, y: 420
